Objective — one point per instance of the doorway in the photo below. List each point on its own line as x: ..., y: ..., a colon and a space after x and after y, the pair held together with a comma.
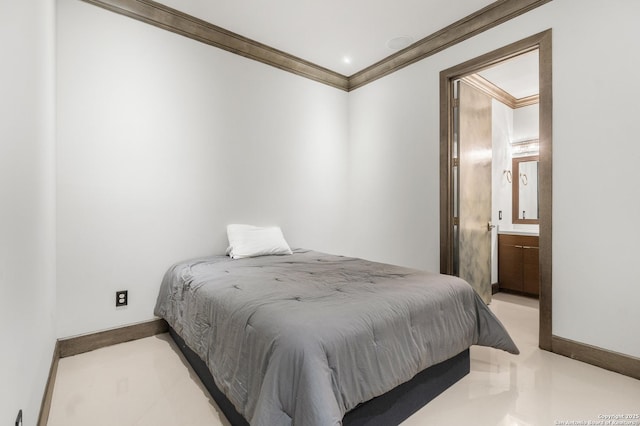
x: 449, y: 199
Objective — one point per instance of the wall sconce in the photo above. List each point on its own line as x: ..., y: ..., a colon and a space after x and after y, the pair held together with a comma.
x: 507, y: 173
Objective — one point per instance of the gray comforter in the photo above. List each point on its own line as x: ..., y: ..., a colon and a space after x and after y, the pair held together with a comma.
x: 302, y: 339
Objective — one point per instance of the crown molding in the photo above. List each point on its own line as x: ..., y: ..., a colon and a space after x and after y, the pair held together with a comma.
x: 499, y: 94
x: 173, y: 20
x: 490, y: 89
x: 482, y: 20
x: 526, y: 101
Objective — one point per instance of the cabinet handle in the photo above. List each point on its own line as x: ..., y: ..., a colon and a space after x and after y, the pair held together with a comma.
x: 519, y: 246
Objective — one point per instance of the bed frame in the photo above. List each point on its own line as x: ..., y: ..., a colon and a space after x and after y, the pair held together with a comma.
x: 391, y: 408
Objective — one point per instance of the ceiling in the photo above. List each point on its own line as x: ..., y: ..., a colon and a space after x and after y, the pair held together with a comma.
x: 517, y: 76
x: 344, y: 36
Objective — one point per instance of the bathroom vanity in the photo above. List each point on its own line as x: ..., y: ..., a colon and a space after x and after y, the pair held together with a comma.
x: 518, y: 262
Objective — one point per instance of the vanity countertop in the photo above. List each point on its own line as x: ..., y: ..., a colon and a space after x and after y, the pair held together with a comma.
x: 533, y: 232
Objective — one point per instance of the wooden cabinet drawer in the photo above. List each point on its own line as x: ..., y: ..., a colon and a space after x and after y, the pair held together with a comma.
x: 518, y: 240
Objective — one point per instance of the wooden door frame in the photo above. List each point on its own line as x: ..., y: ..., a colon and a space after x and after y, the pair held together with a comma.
x: 541, y: 42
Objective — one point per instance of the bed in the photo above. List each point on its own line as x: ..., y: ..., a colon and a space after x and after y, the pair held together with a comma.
x: 314, y: 339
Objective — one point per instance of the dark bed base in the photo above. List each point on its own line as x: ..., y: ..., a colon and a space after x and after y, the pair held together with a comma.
x: 392, y: 408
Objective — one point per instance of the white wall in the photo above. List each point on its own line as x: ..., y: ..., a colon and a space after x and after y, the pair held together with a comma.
x: 27, y: 209
x: 394, y: 174
x: 526, y: 123
x: 394, y: 133
x: 509, y: 125
x: 163, y: 141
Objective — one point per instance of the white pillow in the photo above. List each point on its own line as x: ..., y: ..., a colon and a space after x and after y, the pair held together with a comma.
x: 252, y: 241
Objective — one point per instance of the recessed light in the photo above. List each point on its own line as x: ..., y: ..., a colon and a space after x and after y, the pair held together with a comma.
x: 346, y: 59
x: 400, y: 42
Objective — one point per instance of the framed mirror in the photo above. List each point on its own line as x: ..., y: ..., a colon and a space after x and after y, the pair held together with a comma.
x: 525, y: 194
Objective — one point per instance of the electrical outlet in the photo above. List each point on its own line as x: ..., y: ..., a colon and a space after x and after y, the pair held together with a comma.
x: 122, y: 298
x: 19, y: 418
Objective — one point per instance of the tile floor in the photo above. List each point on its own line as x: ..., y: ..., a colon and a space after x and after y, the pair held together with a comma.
x: 147, y: 382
